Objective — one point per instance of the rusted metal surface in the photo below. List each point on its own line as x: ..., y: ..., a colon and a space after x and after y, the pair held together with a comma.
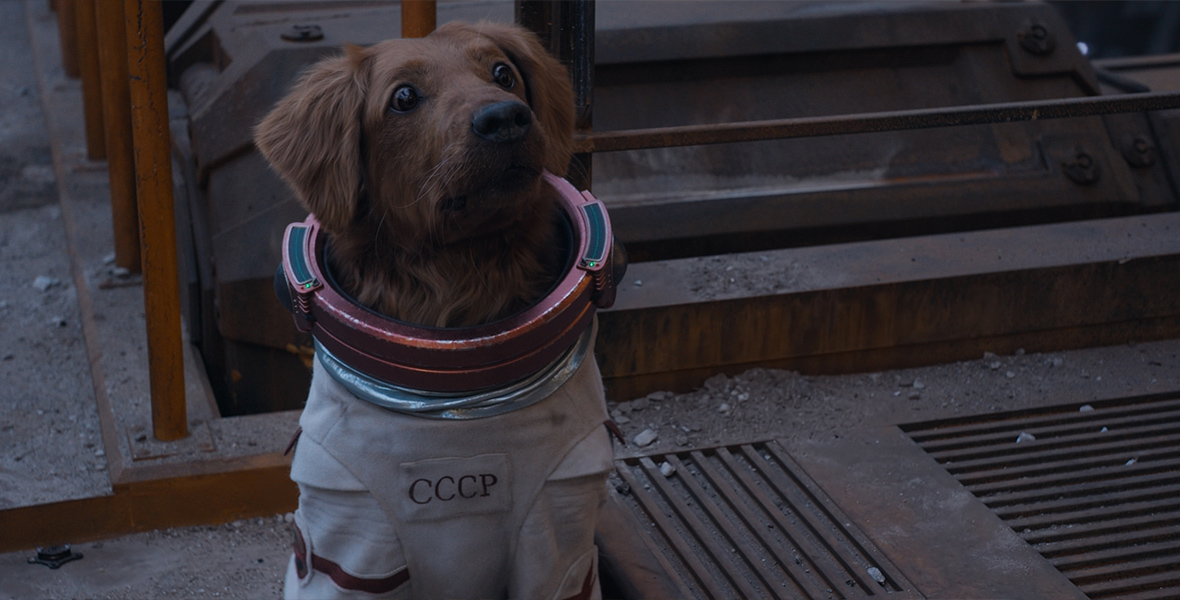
x: 726, y: 133
x: 68, y: 35
x: 116, y: 107
x: 1091, y: 486
x: 419, y: 17
x: 745, y: 521
x: 947, y: 542
x: 892, y: 304
x: 87, y: 49
x: 153, y: 169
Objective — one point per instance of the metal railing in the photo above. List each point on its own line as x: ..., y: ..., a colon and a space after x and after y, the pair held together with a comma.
x: 118, y: 50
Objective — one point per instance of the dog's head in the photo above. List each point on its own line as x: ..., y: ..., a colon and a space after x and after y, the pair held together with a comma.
x: 425, y: 141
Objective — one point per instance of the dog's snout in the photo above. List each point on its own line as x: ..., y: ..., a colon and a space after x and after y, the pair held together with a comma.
x: 502, y: 122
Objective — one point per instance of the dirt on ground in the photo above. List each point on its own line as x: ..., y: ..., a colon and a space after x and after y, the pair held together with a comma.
x: 763, y: 403
x: 242, y: 560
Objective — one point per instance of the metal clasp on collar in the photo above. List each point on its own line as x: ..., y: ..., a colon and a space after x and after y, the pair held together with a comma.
x: 300, y: 279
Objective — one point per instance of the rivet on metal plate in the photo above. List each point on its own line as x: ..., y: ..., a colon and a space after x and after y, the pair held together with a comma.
x: 303, y: 33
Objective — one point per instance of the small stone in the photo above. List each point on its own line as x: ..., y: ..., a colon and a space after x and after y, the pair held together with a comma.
x: 108, y: 259
x: 622, y: 420
x: 723, y: 408
x: 1025, y: 437
x: 1009, y: 374
x: 100, y: 453
x: 742, y: 397
x: 44, y: 282
x: 877, y: 575
x: 915, y: 396
x: 121, y: 272
x: 995, y: 365
x: 1086, y: 408
x: 624, y: 407
x: 289, y: 517
x: 1103, y: 430
x: 681, y: 440
x: 1130, y: 462
x: 667, y: 470
x: 638, y: 283
x: 1056, y: 362
x: 640, y: 404
x: 918, y: 385
x: 645, y: 438
x: 659, y: 396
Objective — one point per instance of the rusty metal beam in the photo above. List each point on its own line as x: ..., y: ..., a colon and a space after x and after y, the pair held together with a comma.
x: 153, y: 168
x: 87, y: 50
x: 754, y: 131
x: 567, y: 30
x: 116, y: 105
x: 67, y: 29
x: 419, y: 18
x: 892, y: 304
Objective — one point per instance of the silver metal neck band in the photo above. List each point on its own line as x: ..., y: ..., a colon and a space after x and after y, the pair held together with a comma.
x: 442, y: 405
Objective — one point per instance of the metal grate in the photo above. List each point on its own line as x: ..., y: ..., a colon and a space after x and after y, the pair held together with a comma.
x: 1094, y: 488
x: 744, y: 521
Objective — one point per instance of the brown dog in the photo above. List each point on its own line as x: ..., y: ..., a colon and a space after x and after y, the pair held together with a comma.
x: 423, y: 159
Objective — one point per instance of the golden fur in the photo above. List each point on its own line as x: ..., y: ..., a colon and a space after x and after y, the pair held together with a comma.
x: 429, y: 222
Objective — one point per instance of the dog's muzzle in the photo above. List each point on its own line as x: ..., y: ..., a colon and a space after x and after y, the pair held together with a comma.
x: 419, y: 366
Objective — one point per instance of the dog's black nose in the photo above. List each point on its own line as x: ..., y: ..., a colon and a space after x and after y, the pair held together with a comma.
x: 502, y: 122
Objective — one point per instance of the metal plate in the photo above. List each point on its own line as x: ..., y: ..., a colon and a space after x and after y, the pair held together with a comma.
x: 745, y: 521
x: 1095, y: 488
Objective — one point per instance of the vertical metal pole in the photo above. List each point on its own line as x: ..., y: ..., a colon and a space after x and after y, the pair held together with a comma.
x: 153, y: 173
x: 581, y: 48
x: 419, y: 18
x: 87, y: 49
x: 67, y: 30
x: 116, y: 108
x: 567, y: 29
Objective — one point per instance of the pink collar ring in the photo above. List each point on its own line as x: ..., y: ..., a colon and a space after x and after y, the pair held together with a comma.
x: 461, y: 359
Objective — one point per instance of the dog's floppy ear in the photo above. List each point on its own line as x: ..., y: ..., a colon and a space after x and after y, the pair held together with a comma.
x: 547, y: 84
x: 313, y: 137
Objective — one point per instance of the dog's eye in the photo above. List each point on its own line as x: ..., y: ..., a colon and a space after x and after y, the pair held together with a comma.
x: 405, y: 99
x: 503, y: 76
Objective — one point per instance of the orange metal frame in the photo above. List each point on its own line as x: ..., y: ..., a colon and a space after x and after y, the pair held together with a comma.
x: 126, y: 111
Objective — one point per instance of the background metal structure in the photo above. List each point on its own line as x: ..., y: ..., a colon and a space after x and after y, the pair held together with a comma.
x: 956, y: 136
